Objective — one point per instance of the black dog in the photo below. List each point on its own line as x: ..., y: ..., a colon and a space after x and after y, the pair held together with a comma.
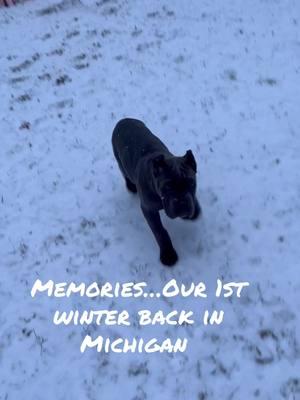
x: 162, y: 180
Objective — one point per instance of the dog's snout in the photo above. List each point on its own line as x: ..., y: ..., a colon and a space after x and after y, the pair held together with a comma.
x: 179, y: 202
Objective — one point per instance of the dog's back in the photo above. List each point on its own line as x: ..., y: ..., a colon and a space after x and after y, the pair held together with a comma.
x: 131, y: 141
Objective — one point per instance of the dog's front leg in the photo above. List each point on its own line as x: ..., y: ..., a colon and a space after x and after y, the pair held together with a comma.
x: 168, y: 255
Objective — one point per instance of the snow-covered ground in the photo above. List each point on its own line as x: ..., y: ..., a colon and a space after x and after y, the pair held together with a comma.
x: 219, y: 77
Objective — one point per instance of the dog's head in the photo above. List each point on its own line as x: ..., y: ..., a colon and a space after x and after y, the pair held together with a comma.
x: 175, y: 181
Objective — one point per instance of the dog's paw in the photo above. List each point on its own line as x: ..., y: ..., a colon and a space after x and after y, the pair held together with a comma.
x: 168, y: 257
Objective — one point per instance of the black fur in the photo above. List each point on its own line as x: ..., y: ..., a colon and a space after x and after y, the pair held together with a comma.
x: 162, y: 180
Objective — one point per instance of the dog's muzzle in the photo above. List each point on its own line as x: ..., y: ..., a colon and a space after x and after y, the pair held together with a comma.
x: 179, y: 207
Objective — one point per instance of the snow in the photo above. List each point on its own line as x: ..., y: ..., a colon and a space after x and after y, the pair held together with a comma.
x: 220, y: 78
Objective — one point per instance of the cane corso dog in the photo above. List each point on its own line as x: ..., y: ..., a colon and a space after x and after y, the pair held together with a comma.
x: 162, y: 180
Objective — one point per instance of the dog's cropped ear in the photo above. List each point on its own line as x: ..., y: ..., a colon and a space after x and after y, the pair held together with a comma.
x: 158, y: 164
x: 190, y: 160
